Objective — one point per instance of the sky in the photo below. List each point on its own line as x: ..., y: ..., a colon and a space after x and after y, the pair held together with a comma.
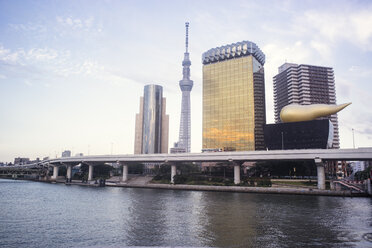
x: 72, y: 72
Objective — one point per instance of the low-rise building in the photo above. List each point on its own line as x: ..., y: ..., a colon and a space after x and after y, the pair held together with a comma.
x: 21, y: 161
x: 66, y: 153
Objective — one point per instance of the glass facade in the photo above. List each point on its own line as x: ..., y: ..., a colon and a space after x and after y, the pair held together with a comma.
x: 234, y: 103
x: 152, y: 119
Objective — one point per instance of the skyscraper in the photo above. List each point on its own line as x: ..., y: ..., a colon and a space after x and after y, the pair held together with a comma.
x: 234, y: 97
x: 184, y: 141
x: 305, y: 84
x: 152, y: 122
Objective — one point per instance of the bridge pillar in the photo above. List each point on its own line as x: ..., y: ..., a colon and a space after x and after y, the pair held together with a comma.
x: 125, y: 172
x: 236, y: 173
x: 332, y: 185
x: 69, y: 172
x: 55, y: 172
x: 320, y: 173
x: 90, y: 174
x: 173, y: 172
x: 369, y: 186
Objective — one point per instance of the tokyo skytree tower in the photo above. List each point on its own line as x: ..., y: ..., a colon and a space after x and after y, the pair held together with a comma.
x: 186, y: 86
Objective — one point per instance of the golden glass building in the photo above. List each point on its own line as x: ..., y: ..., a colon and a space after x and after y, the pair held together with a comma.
x: 234, y: 97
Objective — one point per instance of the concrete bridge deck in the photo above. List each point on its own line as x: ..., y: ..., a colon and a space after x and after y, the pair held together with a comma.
x: 319, y: 156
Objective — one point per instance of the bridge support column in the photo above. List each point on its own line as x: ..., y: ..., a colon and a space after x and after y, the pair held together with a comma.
x: 236, y: 173
x: 320, y: 173
x: 332, y: 185
x: 125, y: 172
x: 55, y: 172
x: 369, y: 186
x: 69, y: 172
x: 173, y: 172
x: 90, y: 174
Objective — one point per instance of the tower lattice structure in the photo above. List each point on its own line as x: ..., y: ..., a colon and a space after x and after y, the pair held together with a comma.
x: 186, y: 85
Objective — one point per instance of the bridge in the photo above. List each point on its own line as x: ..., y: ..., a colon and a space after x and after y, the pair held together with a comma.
x: 319, y: 156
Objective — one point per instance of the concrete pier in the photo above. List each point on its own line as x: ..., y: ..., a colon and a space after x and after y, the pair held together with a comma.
x: 90, y: 174
x: 69, y: 172
x: 320, y: 173
x: 55, y: 172
x: 236, y: 173
x: 332, y: 185
x: 173, y: 172
x: 125, y: 173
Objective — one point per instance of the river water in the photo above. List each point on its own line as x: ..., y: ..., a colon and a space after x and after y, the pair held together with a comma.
x: 34, y: 214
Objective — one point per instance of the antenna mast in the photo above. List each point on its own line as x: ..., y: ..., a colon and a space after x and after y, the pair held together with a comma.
x: 187, y: 36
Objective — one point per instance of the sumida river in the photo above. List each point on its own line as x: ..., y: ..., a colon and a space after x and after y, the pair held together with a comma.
x: 36, y: 214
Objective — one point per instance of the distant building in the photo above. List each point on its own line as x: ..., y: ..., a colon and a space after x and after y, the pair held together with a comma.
x: 358, y: 166
x: 152, y: 122
x: 21, y: 161
x: 304, y: 85
x: 37, y: 160
x: 234, y: 97
x: 177, y: 149
x: 66, y: 153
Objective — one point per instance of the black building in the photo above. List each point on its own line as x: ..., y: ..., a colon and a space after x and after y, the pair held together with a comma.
x: 316, y: 134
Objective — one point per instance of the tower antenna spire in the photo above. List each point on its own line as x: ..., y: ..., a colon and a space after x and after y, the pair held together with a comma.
x: 187, y: 36
x: 186, y: 84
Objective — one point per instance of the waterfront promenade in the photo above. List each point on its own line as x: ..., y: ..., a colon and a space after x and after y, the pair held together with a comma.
x: 145, y: 182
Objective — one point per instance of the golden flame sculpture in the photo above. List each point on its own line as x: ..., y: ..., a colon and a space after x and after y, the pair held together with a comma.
x: 295, y: 112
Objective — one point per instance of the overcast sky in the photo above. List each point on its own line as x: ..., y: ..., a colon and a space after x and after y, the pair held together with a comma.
x: 72, y: 72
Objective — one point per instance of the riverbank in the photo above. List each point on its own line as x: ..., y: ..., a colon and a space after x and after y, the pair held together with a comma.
x: 145, y: 182
x: 242, y: 189
x: 237, y: 189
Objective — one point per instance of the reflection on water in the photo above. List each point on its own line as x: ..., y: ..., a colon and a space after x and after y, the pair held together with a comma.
x: 54, y: 215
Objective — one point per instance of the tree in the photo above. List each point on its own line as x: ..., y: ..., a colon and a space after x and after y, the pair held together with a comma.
x: 135, y: 168
x: 283, y: 168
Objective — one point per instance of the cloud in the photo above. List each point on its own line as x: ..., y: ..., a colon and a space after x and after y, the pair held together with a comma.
x: 75, y: 23
x: 360, y: 71
x: 344, y: 88
x: 62, y: 64
x: 281, y: 52
x: 323, y: 49
x: 32, y: 27
x: 28, y: 83
x: 8, y: 56
x: 44, y: 54
x: 2, y: 76
x: 22, y: 56
x: 352, y: 26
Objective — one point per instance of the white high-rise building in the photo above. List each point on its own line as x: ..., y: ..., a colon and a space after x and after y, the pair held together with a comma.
x: 304, y: 85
